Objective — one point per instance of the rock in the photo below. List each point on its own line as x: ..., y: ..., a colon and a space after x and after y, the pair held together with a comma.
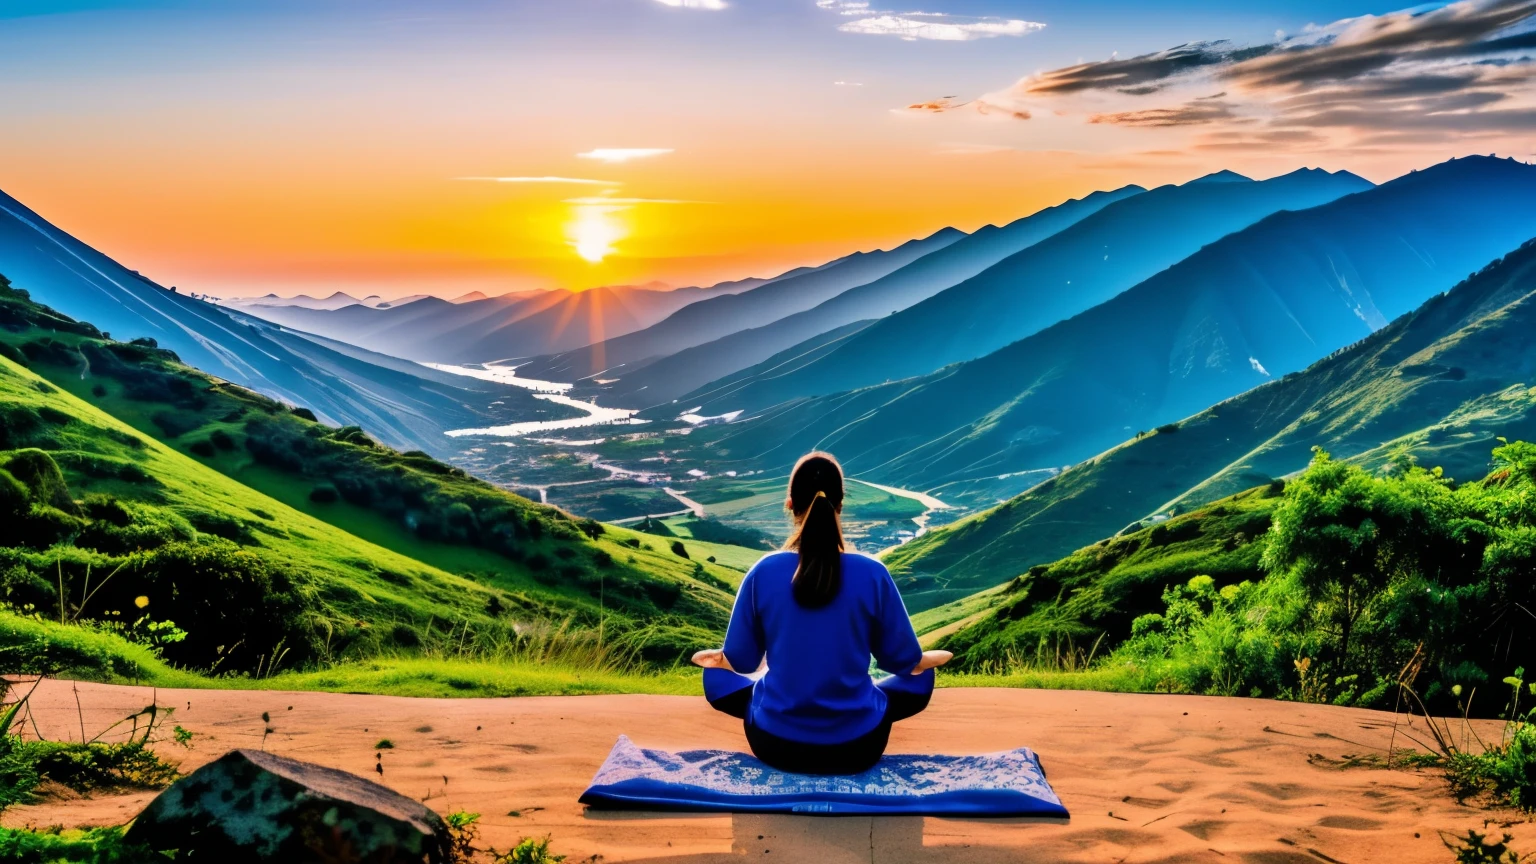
x: 253, y: 806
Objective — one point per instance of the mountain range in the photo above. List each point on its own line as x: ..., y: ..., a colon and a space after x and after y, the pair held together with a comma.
x: 404, y: 407
x: 1059, y: 276
x: 1260, y: 303
x: 432, y: 329
x: 715, y: 317
x: 671, y: 376
x: 1440, y: 383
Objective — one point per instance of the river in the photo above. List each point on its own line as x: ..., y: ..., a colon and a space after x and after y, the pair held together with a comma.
x: 597, y: 415
x: 549, y: 391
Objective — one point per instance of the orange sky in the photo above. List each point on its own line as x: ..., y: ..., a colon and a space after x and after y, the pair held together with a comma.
x: 246, y: 152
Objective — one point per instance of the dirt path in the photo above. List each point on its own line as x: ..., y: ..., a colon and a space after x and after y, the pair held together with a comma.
x: 1148, y: 778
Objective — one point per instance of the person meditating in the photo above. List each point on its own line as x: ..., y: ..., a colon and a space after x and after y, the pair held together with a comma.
x: 809, y: 618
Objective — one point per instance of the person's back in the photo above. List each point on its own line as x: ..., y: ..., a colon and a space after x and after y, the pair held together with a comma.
x: 816, y: 615
x: 817, y: 688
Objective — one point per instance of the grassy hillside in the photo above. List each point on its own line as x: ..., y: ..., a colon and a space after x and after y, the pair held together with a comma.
x: 1343, y: 586
x: 135, y: 483
x: 1090, y: 598
x: 401, y: 403
x: 1441, y: 382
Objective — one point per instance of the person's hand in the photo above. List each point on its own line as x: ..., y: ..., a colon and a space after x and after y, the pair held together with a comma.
x: 711, y: 658
x: 931, y: 660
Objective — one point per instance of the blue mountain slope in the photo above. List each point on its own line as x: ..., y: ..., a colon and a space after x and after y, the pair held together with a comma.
x: 399, y: 407
x: 715, y: 317
x: 1252, y: 307
x: 672, y: 376
x: 1076, y: 269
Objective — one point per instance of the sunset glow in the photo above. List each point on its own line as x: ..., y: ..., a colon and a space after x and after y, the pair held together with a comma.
x: 207, y: 146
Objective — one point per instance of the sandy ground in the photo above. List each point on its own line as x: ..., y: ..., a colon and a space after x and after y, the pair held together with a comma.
x: 1147, y: 778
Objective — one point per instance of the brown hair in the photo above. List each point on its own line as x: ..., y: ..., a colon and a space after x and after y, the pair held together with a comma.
x: 815, y: 500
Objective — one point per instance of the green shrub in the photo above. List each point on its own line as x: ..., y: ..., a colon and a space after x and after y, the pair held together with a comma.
x: 15, y: 497
x: 55, y: 846
x: 530, y: 850
x: 41, y: 475
x: 236, y: 607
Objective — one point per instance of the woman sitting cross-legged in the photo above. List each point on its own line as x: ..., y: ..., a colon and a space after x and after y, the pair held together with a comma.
x: 813, y: 615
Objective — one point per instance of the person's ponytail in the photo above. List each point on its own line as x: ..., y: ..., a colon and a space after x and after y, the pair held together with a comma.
x: 815, y: 497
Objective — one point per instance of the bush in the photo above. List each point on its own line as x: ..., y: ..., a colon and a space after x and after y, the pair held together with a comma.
x: 203, y: 449
x: 679, y: 549
x: 324, y: 494
x: 222, y: 525
x: 94, y: 845
x: 44, y: 480
x: 236, y: 607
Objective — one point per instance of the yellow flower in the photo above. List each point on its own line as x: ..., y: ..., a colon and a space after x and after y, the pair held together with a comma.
x: 141, y: 601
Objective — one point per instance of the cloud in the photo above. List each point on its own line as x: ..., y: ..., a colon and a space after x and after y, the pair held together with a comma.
x: 578, y: 180
x: 1137, y: 76
x: 694, y: 4
x: 935, y: 26
x: 1451, y: 70
x: 980, y: 106
x: 614, y: 155
x: 1198, y: 112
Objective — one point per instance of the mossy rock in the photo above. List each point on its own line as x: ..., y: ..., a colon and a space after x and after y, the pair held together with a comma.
x: 253, y: 806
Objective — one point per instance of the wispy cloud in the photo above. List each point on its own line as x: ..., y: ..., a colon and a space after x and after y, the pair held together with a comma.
x: 577, y: 180
x: 1196, y: 112
x: 1464, y: 68
x: 694, y: 4
x: 913, y: 26
x: 614, y: 155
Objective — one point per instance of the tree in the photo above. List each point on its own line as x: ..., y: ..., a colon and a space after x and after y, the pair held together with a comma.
x: 1348, y: 536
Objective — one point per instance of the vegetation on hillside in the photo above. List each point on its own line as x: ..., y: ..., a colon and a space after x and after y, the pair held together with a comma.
x: 227, y: 533
x: 1340, y: 588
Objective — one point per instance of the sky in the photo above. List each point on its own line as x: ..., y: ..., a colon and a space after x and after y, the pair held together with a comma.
x: 397, y: 147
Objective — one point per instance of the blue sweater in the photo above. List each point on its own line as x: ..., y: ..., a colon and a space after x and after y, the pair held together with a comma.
x: 817, y: 689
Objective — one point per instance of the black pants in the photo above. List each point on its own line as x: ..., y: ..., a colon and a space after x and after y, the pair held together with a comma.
x: 850, y: 757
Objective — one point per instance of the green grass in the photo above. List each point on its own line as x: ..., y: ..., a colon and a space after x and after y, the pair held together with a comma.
x: 1105, y: 680
x: 413, y: 547
x: 76, y: 652
x: 735, y: 557
x: 425, y: 677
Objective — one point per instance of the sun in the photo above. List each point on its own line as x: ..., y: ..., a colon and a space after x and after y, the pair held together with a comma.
x: 595, y: 229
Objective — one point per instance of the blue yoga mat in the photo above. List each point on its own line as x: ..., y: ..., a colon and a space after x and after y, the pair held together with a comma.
x: 997, y: 784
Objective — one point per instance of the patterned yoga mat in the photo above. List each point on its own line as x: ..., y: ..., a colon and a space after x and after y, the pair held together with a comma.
x: 996, y: 784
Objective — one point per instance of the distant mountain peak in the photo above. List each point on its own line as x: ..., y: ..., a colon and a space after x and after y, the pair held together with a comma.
x: 1222, y: 176
x: 470, y: 297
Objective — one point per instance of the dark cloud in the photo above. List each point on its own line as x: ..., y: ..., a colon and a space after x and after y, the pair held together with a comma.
x: 1139, y: 76
x: 1465, y: 68
x: 1359, y: 47
x: 1259, y: 139
x: 1397, y: 118
x: 1366, y: 45
x: 1196, y: 113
